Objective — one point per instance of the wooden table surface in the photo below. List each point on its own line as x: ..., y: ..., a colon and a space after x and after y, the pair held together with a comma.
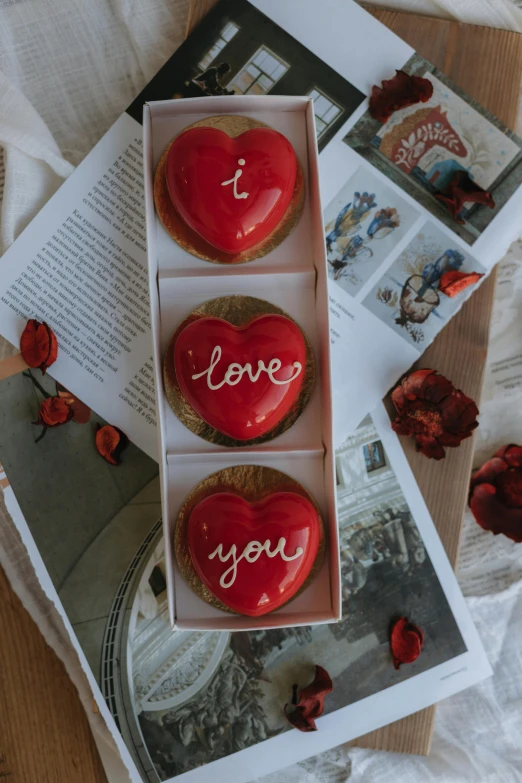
x: 44, y: 734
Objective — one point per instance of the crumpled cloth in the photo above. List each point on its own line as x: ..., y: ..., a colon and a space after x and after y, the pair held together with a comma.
x: 67, y: 71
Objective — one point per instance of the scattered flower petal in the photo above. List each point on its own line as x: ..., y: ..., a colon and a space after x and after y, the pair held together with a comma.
x: 452, y: 283
x: 432, y: 411
x: 81, y: 412
x: 110, y: 442
x: 496, y: 493
x: 397, y: 93
x: 53, y: 412
x: 406, y: 641
x: 461, y: 190
x: 310, y: 704
x: 38, y: 345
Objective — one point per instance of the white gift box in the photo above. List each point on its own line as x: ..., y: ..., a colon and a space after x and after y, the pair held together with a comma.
x: 293, y: 276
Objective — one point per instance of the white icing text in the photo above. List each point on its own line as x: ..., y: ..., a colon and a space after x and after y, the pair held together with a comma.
x: 236, y: 371
x: 235, y: 179
x: 250, y: 553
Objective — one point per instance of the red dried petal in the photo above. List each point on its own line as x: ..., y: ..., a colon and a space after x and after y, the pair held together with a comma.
x: 110, y: 442
x: 406, y: 641
x: 397, y: 93
x: 81, y: 412
x: 462, y: 190
x: 452, y: 283
x: 311, y: 702
x: 512, y: 455
x: 432, y: 411
x: 491, y: 514
x: 38, y: 345
x: 53, y: 412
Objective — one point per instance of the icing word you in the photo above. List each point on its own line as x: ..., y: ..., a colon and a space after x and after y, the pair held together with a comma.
x: 235, y: 179
x: 251, y: 553
x: 235, y: 371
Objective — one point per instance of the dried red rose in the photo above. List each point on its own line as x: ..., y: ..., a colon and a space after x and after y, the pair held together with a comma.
x: 38, y: 345
x: 81, y: 412
x: 452, y: 283
x: 432, y: 411
x: 303, y: 711
x: 397, y: 93
x: 406, y: 641
x: 53, y: 412
x: 461, y: 190
x: 110, y: 442
x: 496, y: 493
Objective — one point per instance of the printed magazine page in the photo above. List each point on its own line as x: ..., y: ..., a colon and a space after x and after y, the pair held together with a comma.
x: 81, y: 264
x: 209, y: 705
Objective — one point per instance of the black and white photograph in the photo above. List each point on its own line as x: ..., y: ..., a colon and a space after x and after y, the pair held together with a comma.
x: 237, y: 50
x: 182, y: 699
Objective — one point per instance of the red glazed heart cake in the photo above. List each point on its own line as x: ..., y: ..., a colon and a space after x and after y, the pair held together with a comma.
x: 254, y: 557
x: 241, y: 380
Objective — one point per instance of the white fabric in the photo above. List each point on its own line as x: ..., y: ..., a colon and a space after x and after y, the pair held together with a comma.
x: 68, y: 68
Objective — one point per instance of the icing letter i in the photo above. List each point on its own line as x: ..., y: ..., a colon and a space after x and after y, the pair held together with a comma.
x: 234, y: 180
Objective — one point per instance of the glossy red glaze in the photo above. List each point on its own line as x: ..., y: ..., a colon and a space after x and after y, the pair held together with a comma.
x: 241, y: 408
x: 257, y: 583
x: 201, y: 159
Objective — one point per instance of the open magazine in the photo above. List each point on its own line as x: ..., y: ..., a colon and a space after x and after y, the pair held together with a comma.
x: 81, y: 264
x: 208, y: 706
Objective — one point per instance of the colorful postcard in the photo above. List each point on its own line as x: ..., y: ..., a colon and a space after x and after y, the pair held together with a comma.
x: 423, y: 146
x: 408, y: 298
x: 363, y: 224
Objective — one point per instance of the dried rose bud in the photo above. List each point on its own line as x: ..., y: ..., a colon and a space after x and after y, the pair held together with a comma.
x: 38, y: 345
x: 303, y: 711
x: 452, y: 283
x: 110, y: 442
x: 397, y: 93
x: 406, y: 641
x: 496, y: 493
x: 432, y: 411
x: 53, y: 412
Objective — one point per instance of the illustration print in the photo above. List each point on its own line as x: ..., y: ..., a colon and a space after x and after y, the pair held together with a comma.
x: 425, y: 146
x: 363, y: 223
x: 408, y: 297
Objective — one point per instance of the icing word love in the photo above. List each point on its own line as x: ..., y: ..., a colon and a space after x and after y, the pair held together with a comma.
x: 235, y: 179
x: 251, y: 553
x: 236, y: 371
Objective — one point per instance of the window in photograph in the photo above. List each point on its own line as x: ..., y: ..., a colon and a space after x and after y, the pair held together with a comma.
x: 157, y: 581
x: 226, y: 35
x: 326, y: 111
x: 259, y: 74
x: 374, y: 456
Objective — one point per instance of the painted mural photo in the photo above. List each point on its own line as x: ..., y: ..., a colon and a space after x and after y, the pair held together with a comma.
x: 182, y: 699
x: 407, y: 297
x: 237, y: 50
x: 423, y: 146
x: 363, y: 224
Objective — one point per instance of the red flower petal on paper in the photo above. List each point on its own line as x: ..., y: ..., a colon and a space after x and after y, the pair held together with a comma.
x: 452, y: 283
x: 38, y: 345
x: 461, y: 190
x: 496, y: 493
x: 310, y: 704
x: 53, y: 412
x: 81, y: 412
x: 406, y: 641
x: 397, y: 93
x: 432, y: 411
x: 110, y: 442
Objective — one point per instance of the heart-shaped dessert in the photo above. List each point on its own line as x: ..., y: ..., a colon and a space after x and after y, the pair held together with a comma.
x: 254, y: 557
x: 232, y: 191
x: 242, y: 380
